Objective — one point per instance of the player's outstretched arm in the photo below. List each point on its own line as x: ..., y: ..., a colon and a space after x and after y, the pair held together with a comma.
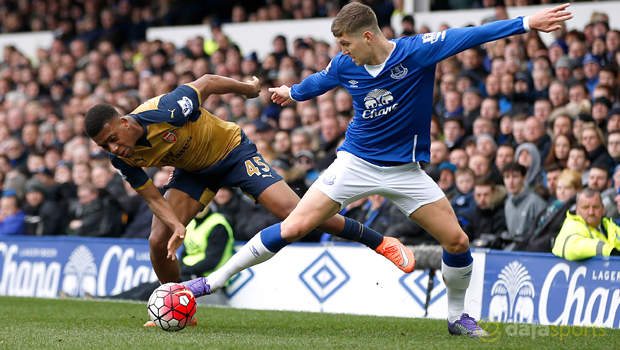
x: 435, y: 47
x: 281, y: 95
x: 210, y: 84
x: 550, y: 19
x: 162, y: 209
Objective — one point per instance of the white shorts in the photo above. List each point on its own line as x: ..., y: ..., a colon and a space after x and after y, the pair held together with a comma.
x: 351, y: 178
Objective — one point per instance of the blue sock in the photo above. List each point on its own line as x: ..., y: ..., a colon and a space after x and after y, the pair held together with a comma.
x: 457, y: 260
x: 355, y: 231
x: 272, y: 239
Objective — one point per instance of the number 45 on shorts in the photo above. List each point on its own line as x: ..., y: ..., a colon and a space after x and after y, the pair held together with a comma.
x: 256, y: 167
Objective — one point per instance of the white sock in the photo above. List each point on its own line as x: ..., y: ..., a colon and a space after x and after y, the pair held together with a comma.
x: 456, y: 280
x: 252, y: 253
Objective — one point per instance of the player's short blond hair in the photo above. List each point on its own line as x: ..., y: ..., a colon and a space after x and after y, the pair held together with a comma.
x: 353, y: 19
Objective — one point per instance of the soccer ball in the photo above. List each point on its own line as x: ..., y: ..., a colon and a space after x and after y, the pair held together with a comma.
x: 171, y: 306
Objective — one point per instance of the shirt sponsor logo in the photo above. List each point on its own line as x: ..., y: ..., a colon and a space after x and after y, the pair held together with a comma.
x: 169, y: 137
x: 378, y: 102
x: 398, y: 72
x: 186, y: 105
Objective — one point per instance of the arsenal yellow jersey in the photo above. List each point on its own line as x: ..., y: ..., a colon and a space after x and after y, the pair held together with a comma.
x: 179, y: 133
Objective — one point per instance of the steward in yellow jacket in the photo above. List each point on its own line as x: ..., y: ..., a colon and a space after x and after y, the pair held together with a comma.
x: 587, y: 233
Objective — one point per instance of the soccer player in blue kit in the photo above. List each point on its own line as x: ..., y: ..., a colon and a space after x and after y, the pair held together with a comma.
x: 392, y: 87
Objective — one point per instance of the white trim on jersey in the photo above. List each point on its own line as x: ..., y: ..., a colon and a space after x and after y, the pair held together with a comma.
x: 415, y: 143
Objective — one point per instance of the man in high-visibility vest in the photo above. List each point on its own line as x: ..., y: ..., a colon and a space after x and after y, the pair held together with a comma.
x: 587, y: 232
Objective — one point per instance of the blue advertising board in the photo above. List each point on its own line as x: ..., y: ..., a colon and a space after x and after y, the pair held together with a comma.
x: 542, y: 288
x: 43, y: 266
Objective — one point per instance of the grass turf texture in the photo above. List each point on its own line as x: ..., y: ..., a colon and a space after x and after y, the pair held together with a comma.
x: 31, y: 323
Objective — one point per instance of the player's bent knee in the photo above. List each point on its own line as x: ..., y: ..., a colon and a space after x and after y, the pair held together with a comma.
x: 457, y: 244
x: 292, y: 231
x: 158, y: 242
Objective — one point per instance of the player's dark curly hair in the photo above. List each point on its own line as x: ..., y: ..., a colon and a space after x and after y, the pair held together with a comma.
x: 98, y: 116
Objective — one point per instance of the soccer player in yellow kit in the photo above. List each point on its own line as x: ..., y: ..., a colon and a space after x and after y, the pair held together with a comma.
x: 208, y: 153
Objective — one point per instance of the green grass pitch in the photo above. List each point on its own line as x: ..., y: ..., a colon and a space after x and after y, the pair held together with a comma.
x: 31, y: 323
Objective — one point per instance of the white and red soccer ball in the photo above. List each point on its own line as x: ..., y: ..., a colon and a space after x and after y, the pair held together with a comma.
x: 172, y: 306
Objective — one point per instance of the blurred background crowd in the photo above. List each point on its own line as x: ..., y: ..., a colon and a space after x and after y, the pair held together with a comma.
x: 519, y: 127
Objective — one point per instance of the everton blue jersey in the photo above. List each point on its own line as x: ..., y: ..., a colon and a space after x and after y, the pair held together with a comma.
x: 393, y: 109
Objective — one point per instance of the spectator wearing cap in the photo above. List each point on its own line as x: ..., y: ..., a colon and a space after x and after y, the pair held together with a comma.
x: 563, y: 69
x: 43, y: 217
x: 600, y: 109
x: 11, y: 215
x: 486, y: 145
x: 523, y: 95
x: 472, y: 99
x: 306, y: 160
x: 591, y: 67
x: 446, y: 179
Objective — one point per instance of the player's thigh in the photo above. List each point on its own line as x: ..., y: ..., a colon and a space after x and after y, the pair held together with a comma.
x: 187, y: 197
x: 279, y: 199
x: 438, y: 219
x: 314, y: 209
x: 420, y: 198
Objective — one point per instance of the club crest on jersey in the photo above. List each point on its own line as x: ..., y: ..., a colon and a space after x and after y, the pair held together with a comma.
x: 186, y: 105
x: 378, y: 102
x: 398, y: 72
x: 169, y: 137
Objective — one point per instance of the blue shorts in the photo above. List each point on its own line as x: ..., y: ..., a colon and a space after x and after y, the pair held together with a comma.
x: 243, y: 167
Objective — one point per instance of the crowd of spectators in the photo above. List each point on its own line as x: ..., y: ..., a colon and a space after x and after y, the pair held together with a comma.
x: 519, y: 127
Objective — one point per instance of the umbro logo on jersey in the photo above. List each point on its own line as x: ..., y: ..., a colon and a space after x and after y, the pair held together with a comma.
x: 398, y: 72
x: 169, y: 137
x: 353, y: 83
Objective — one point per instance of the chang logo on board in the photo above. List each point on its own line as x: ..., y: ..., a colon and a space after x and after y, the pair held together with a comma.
x: 80, y: 273
x: 378, y: 102
x: 512, y: 296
